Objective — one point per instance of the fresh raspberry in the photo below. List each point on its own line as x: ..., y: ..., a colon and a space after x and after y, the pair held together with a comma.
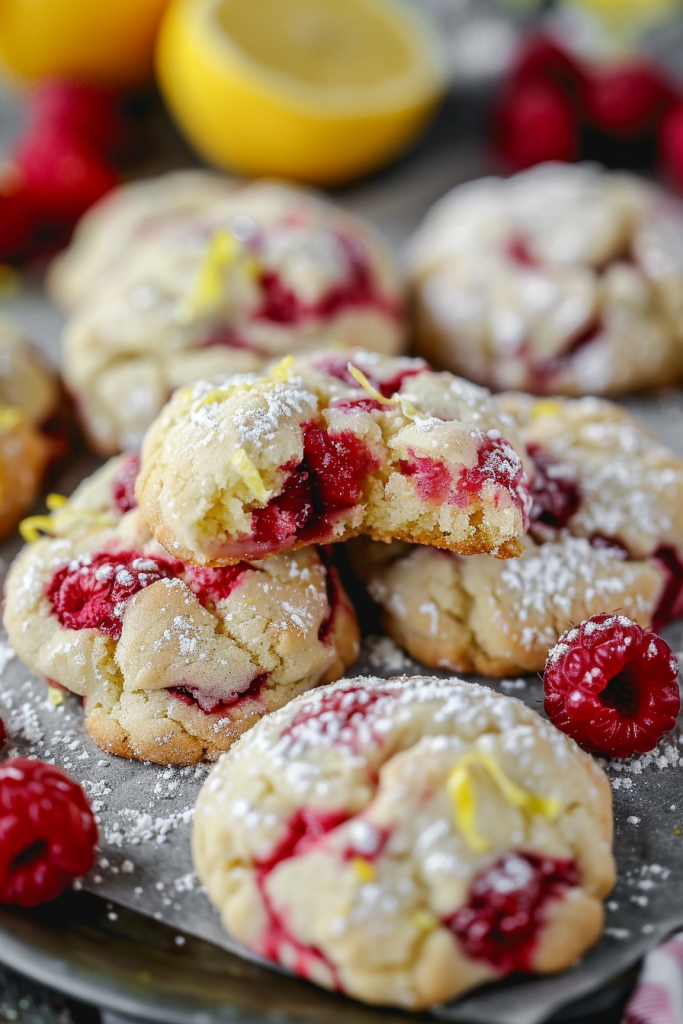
x: 47, y: 832
x: 670, y: 143
x: 612, y: 686
x: 534, y: 122
x: 542, y: 57
x: 62, y: 175
x: 626, y: 99
x: 90, y: 114
x: 16, y: 216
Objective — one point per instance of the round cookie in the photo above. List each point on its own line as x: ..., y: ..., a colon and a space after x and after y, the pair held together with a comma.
x: 123, y: 218
x: 246, y: 466
x: 268, y: 270
x: 606, y: 533
x: 406, y: 840
x: 173, y: 663
x: 565, y: 279
x: 29, y: 398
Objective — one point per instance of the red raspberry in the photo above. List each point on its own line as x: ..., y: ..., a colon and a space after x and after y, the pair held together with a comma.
x: 16, y: 216
x: 671, y: 145
x: 47, y: 832
x: 542, y: 57
x: 612, y: 686
x: 626, y: 99
x: 533, y: 123
x: 62, y: 175
x: 92, y: 115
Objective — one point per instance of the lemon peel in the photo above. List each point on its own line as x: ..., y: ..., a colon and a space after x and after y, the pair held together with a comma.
x: 410, y: 411
x: 282, y: 370
x: 55, y: 696
x: 461, y: 791
x: 425, y: 920
x: 223, y: 251
x: 546, y: 407
x: 364, y: 869
x: 34, y: 527
x: 251, y: 476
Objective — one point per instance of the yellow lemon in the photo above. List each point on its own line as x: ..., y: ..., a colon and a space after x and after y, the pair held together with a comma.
x: 314, y: 90
x: 103, y: 42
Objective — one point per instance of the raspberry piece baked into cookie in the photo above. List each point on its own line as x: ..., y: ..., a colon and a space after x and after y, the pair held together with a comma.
x: 405, y: 840
x: 173, y: 662
x: 565, y: 279
x: 606, y: 533
x: 269, y: 269
x: 29, y: 397
x: 246, y: 466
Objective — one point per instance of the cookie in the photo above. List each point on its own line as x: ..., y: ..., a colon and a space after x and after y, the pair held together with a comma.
x: 565, y: 279
x: 29, y: 397
x: 123, y: 218
x: 268, y: 270
x: 606, y: 534
x: 405, y: 840
x: 247, y: 466
x: 173, y: 663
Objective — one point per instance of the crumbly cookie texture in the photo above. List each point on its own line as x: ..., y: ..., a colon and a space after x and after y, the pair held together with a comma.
x: 221, y: 288
x: 123, y: 218
x: 606, y: 533
x: 246, y: 466
x: 173, y: 663
x: 565, y: 279
x: 29, y: 397
x: 406, y: 840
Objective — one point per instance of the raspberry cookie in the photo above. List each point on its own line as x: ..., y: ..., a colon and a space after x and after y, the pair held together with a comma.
x: 406, y: 840
x: 247, y: 466
x: 123, y: 218
x: 28, y: 402
x: 268, y: 270
x: 173, y: 663
x: 606, y: 533
x: 565, y: 279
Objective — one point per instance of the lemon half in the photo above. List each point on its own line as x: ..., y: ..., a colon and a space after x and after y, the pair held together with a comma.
x: 314, y: 90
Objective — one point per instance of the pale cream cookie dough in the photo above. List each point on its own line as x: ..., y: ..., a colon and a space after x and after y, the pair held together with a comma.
x: 405, y: 840
x: 315, y: 452
x: 606, y: 534
x: 173, y: 663
x: 565, y: 279
x: 264, y: 271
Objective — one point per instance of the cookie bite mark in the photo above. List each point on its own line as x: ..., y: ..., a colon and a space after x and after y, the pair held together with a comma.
x: 194, y: 696
x: 123, y: 484
x: 504, y: 913
x: 92, y: 592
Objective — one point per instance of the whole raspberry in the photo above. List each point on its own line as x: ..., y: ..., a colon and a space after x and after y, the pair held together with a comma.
x: 542, y: 57
x: 612, y: 686
x: 69, y: 108
x: 626, y: 99
x: 62, y: 175
x: 535, y: 122
x: 670, y: 143
x: 16, y: 216
x: 47, y: 832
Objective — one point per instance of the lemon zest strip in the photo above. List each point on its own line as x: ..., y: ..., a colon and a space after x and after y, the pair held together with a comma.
x: 223, y: 251
x: 546, y: 407
x: 410, y: 411
x: 251, y: 476
x: 55, y: 696
x: 282, y: 370
x: 34, y: 527
x: 461, y: 791
x: 425, y: 920
x: 364, y: 869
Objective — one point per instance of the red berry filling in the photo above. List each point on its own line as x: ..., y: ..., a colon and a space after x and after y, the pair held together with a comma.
x: 338, y: 366
x: 91, y: 593
x: 3, y: 734
x: 47, y: 832
x: 192, y: 696
x: 327, y: 483
x: 213, y: 585
x: 555, y: 490
x: 518, y: 251
x: 281, y: 305
x: 123, y: 484
x: 505, y: 908
x: 671, y: 602
x: 612, y: 687
x: 346, y: 715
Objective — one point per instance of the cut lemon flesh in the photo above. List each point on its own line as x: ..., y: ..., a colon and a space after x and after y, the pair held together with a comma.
x: 315, y: 90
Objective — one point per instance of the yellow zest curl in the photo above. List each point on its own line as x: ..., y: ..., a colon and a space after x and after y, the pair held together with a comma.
x: 55, y: 696
x: 34, y: 527
x: 461, y: 791
x: 425, y: 920
x: 410, y: 411
x: 251, y: 476
x: 283, y: 369
x: 223, y: 251
x: 546, y: 407
x: 363, y: 869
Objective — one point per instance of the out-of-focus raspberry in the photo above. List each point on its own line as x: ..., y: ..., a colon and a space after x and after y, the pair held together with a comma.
x: 534, y: 122
x: 61, y: 175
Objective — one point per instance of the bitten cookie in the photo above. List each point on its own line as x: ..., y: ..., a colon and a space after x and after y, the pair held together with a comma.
x: 406, y: 840
x: 267, y: 270
x: 173, y: 662
x: 246, y: 466
x: 606, y: 534
x: 29, y: 397
x: 565, y: 279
